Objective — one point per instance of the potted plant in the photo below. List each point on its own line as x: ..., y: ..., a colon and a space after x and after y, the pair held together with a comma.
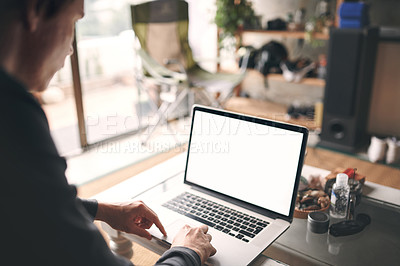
x: 234, y: 15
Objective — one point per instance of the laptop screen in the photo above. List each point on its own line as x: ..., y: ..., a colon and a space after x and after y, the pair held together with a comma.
x: 250, y: 159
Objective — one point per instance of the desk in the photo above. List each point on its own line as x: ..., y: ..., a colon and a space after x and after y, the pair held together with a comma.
x: 378, y: 244
x: 294, y: 247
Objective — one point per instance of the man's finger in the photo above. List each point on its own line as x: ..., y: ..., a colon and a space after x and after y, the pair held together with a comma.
x: 204, y: 228
x: 152, y: 216
x: 157, y: 222
x: 160, y: 226
x: 213, y: 251
x: 143, y: 233
x: 144, y: 226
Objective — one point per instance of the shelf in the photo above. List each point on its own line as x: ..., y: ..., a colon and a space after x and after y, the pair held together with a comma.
x: 287, y: 34
x: 306, y: 81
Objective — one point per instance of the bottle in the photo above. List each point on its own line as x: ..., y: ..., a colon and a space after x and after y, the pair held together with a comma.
x: 321, y: 70
x: 298, y: 18
x: 340, y: 196
x: 322, y: 9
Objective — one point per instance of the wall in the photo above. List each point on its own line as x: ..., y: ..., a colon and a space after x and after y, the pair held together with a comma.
x: 385, y: 12
x: 203, y: 32
x: 384, y: 116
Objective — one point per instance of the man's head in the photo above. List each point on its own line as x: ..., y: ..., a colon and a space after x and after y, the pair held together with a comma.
x: 48, y: 7
x: 35, y: 38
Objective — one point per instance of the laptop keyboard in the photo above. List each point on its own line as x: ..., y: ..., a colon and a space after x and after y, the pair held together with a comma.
x: 229, y: 221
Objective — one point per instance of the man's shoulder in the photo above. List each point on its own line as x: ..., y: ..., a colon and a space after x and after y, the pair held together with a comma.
x: 24, y: 123
x: 10, y: 86
x: 15, y: 98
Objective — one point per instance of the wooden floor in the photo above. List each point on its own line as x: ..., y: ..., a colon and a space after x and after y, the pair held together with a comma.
x: 376, y: 173
x: 269, y: 110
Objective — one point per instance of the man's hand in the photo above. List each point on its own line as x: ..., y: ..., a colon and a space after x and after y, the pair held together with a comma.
x: 195, y: 238
x: 131, y: 217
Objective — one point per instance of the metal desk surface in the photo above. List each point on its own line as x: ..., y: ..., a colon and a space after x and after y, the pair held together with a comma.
x: 377, y: 244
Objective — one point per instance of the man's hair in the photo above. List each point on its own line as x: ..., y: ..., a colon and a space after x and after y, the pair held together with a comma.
x: 48, y: 7
x: 51, y: 7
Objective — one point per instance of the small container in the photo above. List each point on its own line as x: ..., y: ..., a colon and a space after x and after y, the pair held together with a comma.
x: 318, y: 222
x: 340, y: 196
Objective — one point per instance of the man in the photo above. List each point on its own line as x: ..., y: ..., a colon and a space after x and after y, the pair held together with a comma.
x: 42, y: 221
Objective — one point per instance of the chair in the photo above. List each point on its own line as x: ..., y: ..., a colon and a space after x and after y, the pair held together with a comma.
x: 161, y: 28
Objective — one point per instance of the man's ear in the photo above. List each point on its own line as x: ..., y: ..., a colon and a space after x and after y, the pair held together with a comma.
x: 31, y: 16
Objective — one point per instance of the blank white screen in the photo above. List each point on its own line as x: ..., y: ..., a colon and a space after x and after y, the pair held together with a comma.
x: 252, y: 162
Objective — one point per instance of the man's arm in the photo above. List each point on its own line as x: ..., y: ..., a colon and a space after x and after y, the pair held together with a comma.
x: 90, y: 206
x: 191, y: 246
x: 43, y: 222
x: 131, y: 217
x: 179, y: 256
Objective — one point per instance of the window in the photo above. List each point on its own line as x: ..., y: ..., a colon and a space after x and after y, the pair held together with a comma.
x: 106, y: 98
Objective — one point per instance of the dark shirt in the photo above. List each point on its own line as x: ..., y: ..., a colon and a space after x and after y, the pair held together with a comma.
x: 42, y: 220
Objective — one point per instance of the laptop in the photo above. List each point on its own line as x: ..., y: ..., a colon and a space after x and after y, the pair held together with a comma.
x: 241, y: 178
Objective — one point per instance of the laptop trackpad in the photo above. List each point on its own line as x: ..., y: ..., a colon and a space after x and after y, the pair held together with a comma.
x: 172, y: 230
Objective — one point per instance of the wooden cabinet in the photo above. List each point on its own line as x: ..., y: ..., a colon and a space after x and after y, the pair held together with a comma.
x: 291, y: 35
x: 306, y: 81
x: 286, y: 34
